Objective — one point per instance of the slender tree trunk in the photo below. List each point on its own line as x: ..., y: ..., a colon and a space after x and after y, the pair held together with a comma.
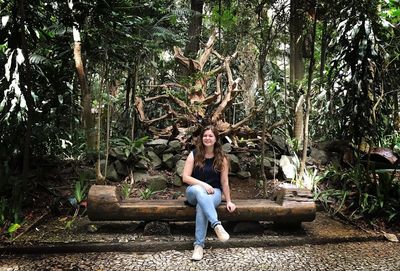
x: 324, y: 44
x: 100, y: 178
x: 26, y: 88
x: 296, y: 61
x: 128, y: 87
x: 135, y: 78
x: 87, y: 116
x: 285, y: 116
x: 261, y: 81
x: 308, y: 101
x: 108, y: 133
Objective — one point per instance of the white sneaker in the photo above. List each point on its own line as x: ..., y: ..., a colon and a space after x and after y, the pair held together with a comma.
x: 222, y: 235
x: 197, y: 253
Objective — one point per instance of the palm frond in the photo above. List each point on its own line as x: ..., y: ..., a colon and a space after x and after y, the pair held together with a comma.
x: 39, y: 60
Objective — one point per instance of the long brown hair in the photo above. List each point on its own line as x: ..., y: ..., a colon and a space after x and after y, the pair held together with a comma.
x: 219, y: 154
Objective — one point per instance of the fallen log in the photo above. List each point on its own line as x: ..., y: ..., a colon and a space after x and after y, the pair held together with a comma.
x: 105, y: 204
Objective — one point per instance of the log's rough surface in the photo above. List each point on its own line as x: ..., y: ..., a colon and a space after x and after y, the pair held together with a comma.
x: 289, y: 206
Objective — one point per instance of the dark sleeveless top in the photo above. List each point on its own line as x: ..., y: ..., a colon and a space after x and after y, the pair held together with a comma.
x: 207, y: 174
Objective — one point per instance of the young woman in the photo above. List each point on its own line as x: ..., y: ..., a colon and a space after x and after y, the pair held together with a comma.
x: 206, y: 171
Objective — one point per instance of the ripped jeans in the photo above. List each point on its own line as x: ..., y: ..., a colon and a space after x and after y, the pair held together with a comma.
x: 206, y: 205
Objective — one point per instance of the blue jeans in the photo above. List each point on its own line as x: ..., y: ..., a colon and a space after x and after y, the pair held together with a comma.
x: 206, y: 205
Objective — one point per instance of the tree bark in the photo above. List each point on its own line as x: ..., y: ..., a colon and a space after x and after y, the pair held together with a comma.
x: 26, y: 89
x: 296, y: 60
x: 87, y: 116
x: 308, y: 102
x: 194, y: 31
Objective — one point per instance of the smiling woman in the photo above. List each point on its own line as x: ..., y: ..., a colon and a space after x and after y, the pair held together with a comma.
x: 206, y: 171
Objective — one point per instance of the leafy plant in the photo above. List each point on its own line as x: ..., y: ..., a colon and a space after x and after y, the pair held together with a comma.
x: 129, y: 147
x: 126, y: 189
x: 147, y: 193
x: 360, y: 193
x: 80, y: 190
x: 12, y: 229
x: 70, y: 222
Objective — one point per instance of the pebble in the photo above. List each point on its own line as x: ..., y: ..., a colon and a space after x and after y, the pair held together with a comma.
x: 343, y: 256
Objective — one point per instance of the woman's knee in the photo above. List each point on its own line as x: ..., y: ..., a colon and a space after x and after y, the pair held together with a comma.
x: 195, y: 189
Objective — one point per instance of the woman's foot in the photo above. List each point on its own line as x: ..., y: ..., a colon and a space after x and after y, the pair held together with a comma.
x: 222, y: 235
x: 197, y: 253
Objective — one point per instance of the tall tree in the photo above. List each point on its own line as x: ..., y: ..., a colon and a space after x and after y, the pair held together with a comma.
x: 195, y: 26
x: 87, y: 116
x: 296, y: 27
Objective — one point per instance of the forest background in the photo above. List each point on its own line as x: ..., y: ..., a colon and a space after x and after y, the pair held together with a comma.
x: 81, y: 77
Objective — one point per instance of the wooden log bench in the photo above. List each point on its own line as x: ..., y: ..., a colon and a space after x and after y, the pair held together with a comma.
x: 289, y: 206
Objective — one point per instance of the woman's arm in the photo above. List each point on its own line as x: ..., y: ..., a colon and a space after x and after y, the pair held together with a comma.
x: 225, y: 186
x: 187, y: 175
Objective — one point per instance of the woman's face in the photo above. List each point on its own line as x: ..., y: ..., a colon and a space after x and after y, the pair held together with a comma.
x: 209, y: 138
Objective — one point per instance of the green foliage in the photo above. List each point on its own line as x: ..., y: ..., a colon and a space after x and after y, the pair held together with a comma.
x: 126, y: 189
x: 226, y: 17
x: 13, y: 229
x: 391, y: 141
x: 81, y: 188
x: 357, y: 104
x: 130, y: 148
x: 147, y: 193
x: 357, y: 193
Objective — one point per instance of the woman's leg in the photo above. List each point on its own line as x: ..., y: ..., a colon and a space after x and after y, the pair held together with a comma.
x: 205, y: 210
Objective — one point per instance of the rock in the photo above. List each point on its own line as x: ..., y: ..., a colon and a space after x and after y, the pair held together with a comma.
x: 155, y: 161
x: 179, y: 167
x: 112, y: 174
x: 273, y: 161
x: 158, y: 146
x: 227, y: 147
x: 118, y: 154
x: 320, y: 157
x: 234, y: 163
x: 168, y: 160
x: 121, y: 168
x: 177, y: 181
x: 142, y: 164
x: 157, y: 228
x: 156, y: 182
x: 288, y: 166
x: 272, y: 172
x: 267, y: 163
x: 174, y: 146
x: 156, y: 142
x: 140, y: 176
x: 280, y: 142
x: 244, y: 174
x: 248, y: 227
x: 158, y: 149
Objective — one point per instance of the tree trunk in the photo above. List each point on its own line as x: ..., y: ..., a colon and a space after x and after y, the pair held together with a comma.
x: 196, y: 20
x: 263, y: 55
x: 133, y: 97
x: 296, y: 60
x: 26, y: 89
x: 87, y: 116
x: 308, y: 102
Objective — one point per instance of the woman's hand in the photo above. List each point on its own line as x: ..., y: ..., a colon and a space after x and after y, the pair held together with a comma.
x: 230, y: 206
x: 209, y: 189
